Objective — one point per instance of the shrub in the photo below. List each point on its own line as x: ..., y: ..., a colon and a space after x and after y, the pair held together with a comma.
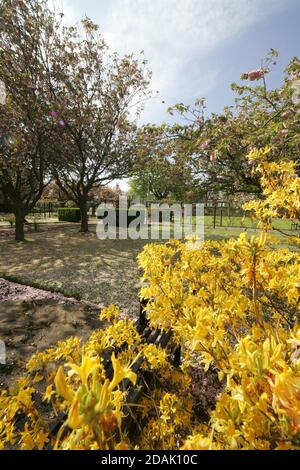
x: 69, y: 214
x: 170, y: 217
x: 130, y: 218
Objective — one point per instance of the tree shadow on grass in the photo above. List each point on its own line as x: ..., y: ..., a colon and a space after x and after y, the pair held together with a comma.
x: 101, y: 271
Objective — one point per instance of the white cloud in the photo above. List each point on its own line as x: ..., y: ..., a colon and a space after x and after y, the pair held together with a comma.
x: 71, y: 15
x: 175, y: 34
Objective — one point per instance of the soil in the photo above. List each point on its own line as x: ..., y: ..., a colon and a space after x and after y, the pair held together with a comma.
x: 32, y: 320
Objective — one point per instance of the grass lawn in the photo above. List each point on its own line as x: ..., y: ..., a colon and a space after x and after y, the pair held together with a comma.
x: 81, y: 265
x: 244, y: 222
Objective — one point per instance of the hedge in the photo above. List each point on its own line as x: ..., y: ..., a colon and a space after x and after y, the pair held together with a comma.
x: 69, y: 214
x: 130, y: 218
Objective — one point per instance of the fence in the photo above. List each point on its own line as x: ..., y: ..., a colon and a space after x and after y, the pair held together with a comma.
x: 227, y: 217
x: 45, y: 209
x: 217, y: 216
x: 214, y: 216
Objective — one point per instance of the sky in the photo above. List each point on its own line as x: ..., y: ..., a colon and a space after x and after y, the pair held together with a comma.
x: 195, y: 48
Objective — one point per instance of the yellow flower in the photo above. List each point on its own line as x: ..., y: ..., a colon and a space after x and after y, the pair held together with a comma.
x: 26, y: 440
x: 110, y: 313
x: 283, y: 446
x: 41, y: 439
x: 38, y: 378
x: 155, y: 355
x: 75, y: 420
x: 48, y: 393
x: 61, y: 385
x: 121, y: 373
x: 197, y: 442
x: 122, y: 446
x: 87, y: 367
x: 286, y: 396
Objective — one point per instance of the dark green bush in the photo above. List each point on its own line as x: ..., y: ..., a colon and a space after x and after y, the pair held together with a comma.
x: 69, y: 214
x: 170, y: 218
x: 130, y: 218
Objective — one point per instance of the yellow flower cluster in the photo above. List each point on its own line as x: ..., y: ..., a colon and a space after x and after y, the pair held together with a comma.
x: 235, y: 305
x: 281, y: 189
x: 232, y: 306
x: 71, y: 382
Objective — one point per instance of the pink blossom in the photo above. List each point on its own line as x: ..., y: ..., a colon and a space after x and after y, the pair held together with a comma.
x: 54, y: 114
x: 284, y: 132
x: 254, y: 74
x: 62, y: 123
x: 205, y: 145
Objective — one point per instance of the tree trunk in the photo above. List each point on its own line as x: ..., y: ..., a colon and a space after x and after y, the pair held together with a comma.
x: 19, y: 230
x: 84, y: 216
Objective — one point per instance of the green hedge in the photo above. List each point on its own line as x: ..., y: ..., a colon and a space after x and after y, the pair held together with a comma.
x: 130, y: 218
x: 69, y: 214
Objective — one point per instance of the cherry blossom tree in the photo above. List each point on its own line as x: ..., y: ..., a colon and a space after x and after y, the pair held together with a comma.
x: 25, y: 132
x: 217, y: 145
x: 95, y: 96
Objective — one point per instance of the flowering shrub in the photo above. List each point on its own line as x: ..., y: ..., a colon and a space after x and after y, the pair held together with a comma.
x: 281, y: 189
x: 232, y: 306
x: 69, y: 384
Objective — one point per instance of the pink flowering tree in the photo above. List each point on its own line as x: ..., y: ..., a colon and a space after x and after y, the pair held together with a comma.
x: 95, y: 96
x: 217, y: 147
x: 26, y: 135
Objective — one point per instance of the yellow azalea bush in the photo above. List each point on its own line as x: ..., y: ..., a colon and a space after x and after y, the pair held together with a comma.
x: 280, y: 185
x: 69, y: 384
x: 232, y: 307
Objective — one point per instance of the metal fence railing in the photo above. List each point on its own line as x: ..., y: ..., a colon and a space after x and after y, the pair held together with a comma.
x: 214, y: 216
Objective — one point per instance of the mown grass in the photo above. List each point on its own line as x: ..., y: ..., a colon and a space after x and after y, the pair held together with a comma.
x: 244, y: 222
